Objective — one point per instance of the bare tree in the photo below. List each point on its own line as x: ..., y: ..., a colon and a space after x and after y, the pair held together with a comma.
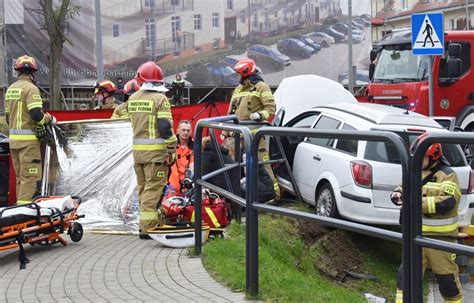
x: 55, y: 17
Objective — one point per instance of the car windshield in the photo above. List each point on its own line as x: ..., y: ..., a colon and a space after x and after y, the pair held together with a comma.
x: 274, y: 53
x: 227, y: 71
x: 386, y: 152
x: 300, y: 43
x: 400, y: 66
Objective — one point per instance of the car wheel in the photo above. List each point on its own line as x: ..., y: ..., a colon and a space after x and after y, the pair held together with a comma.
x: 326, y: 202
x: 325, y: 44
x: 277, y: 65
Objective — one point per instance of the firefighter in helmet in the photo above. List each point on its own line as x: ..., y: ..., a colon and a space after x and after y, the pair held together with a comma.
x: 27, y: 123
x: 104, y: 92
x: 253, y: 100
x: 440, y: 201
x: 154, y: 143
x: 120, y: 112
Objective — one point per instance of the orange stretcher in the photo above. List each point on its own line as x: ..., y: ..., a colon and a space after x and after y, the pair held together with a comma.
x: 39, y: 222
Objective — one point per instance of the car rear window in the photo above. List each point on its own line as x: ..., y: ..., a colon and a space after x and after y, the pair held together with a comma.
x: 386, y: 152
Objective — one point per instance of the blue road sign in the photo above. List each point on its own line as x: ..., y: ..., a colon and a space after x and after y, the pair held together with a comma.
x: 427, y: 34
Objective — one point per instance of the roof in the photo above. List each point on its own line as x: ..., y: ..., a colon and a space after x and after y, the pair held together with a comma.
x: 382, y: 114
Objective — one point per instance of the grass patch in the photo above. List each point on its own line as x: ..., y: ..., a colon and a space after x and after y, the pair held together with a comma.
x: 287, y: 267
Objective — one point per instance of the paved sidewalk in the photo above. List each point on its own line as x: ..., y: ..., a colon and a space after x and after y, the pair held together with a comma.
x: 106, y: 268
x: 435, y: 297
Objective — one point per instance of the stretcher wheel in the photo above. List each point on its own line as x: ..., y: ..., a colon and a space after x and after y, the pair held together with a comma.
x: 76, y: 232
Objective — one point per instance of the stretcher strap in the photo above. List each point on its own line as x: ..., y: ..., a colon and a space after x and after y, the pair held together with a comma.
x: 22, y: 257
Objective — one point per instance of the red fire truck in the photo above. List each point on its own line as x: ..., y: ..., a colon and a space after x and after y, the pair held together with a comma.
x: 400, y: 78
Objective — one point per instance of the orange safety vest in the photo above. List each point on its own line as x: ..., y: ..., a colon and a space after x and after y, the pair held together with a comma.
x: 184, y: 157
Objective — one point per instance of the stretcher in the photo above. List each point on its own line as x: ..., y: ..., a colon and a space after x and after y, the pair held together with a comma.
x: 40, y: 222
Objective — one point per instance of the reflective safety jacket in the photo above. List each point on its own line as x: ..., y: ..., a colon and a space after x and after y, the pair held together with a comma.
x: 152, y: 140
x: 440, y: 201
x: 252, y: 98
x: 21, y: 100
x: 184, y: 160
x: 120, y: 112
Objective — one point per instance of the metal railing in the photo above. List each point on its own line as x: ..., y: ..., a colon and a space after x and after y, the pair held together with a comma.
x: 411, y: 236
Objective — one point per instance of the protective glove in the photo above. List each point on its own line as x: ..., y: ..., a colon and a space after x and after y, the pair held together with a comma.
x: 397, y: 198
x: 255, y: 117
x: 40, y: 131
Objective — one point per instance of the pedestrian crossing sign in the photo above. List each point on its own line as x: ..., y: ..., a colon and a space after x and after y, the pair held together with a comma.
x: 427, y: 34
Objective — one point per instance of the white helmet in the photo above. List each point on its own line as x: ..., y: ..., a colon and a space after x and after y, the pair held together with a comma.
x: 258, y: 71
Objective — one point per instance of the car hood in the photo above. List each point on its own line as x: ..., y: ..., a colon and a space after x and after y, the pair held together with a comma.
x: 299, y: 93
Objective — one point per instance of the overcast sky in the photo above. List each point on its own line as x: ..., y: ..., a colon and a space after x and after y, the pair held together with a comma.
x: 359, y: 7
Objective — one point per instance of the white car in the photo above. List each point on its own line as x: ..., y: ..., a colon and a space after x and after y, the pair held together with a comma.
x: 322, y: 39
x: 354, y: 179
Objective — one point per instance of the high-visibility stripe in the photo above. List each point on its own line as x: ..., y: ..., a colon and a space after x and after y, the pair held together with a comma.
x: 441, y: 228
x: 451, y: 187
x: 18, y: 115
x: 460, y: 300
x: 34, y: 105
x: 164, y: 115
x: 431, y: 205
x: 171, y: 139
x: 148, y: 215
x: 439, y: 222
x: 23, y: 137
x: 151, y: 127
x: 23, y: 202
x: 212, y: 216
x: 142, y: 147
x: 246, y: 94
x: 21, y: 132
x: 267, y: 94
x: 399, y: 296
x: 148, y: 141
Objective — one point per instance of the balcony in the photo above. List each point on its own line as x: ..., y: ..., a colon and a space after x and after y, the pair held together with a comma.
x: 166, y: 6
x: 172, y: 45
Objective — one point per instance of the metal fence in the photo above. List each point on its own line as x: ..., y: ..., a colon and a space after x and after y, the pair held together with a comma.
x: 411, y: 236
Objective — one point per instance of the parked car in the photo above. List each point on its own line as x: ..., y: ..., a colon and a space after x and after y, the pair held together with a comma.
x: 223, y: 74
x: 362, y: 78
x: 308, y: 42
x: 230, y: 61
x: 263, y: 54
x: 293, y: 47
x: 322, y: 39
x: 354, y: 179
x: 344, y: 28
x: 355, y: 25
x: 338, y: 37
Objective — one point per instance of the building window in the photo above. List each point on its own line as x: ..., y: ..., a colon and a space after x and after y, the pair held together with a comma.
x: 176, y: 29
x: 150, y: 3
x: 215, y: 20
x: 230, y: 4
x: 175, y: 2
x: 150, y: 31
x: 115, y: 30
x: 255, y: 19
x: 197, y: 22
x: 242, y: 17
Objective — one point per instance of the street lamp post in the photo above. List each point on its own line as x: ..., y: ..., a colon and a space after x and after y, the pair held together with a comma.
x: 351, y: 72
x: 98, y: 40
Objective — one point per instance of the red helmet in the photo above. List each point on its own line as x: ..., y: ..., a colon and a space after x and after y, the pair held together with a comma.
x: 131, y: 87
x: 435, y: 152
x: 149, y: 72
x: 26, y: 62
x: 105, y: 86
x: 245, y: 67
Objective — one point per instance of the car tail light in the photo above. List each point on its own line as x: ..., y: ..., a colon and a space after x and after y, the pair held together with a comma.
x: 362, y: 173
x: 471, y: 181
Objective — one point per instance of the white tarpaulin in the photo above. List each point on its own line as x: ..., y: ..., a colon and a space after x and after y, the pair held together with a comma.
x: 299, y: 93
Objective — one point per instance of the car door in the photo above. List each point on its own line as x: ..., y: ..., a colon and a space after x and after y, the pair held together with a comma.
x: 310, y: 156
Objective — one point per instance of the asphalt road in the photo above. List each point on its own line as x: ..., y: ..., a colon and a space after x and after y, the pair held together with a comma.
x: 329, y: 62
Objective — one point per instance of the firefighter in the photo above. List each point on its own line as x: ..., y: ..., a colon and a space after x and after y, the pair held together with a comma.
x: 253, y: 100
x: 120, y: 112
x: 104, y: 92
x: 27, y: 123
x: 154, y: 143
x: 184, y: 165
x: 177, y: 86
x: 440, y: 201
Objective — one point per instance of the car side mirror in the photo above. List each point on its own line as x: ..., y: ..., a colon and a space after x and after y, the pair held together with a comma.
x: 454, y: 68
x: 454, y: 50
x: 371, y: 71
